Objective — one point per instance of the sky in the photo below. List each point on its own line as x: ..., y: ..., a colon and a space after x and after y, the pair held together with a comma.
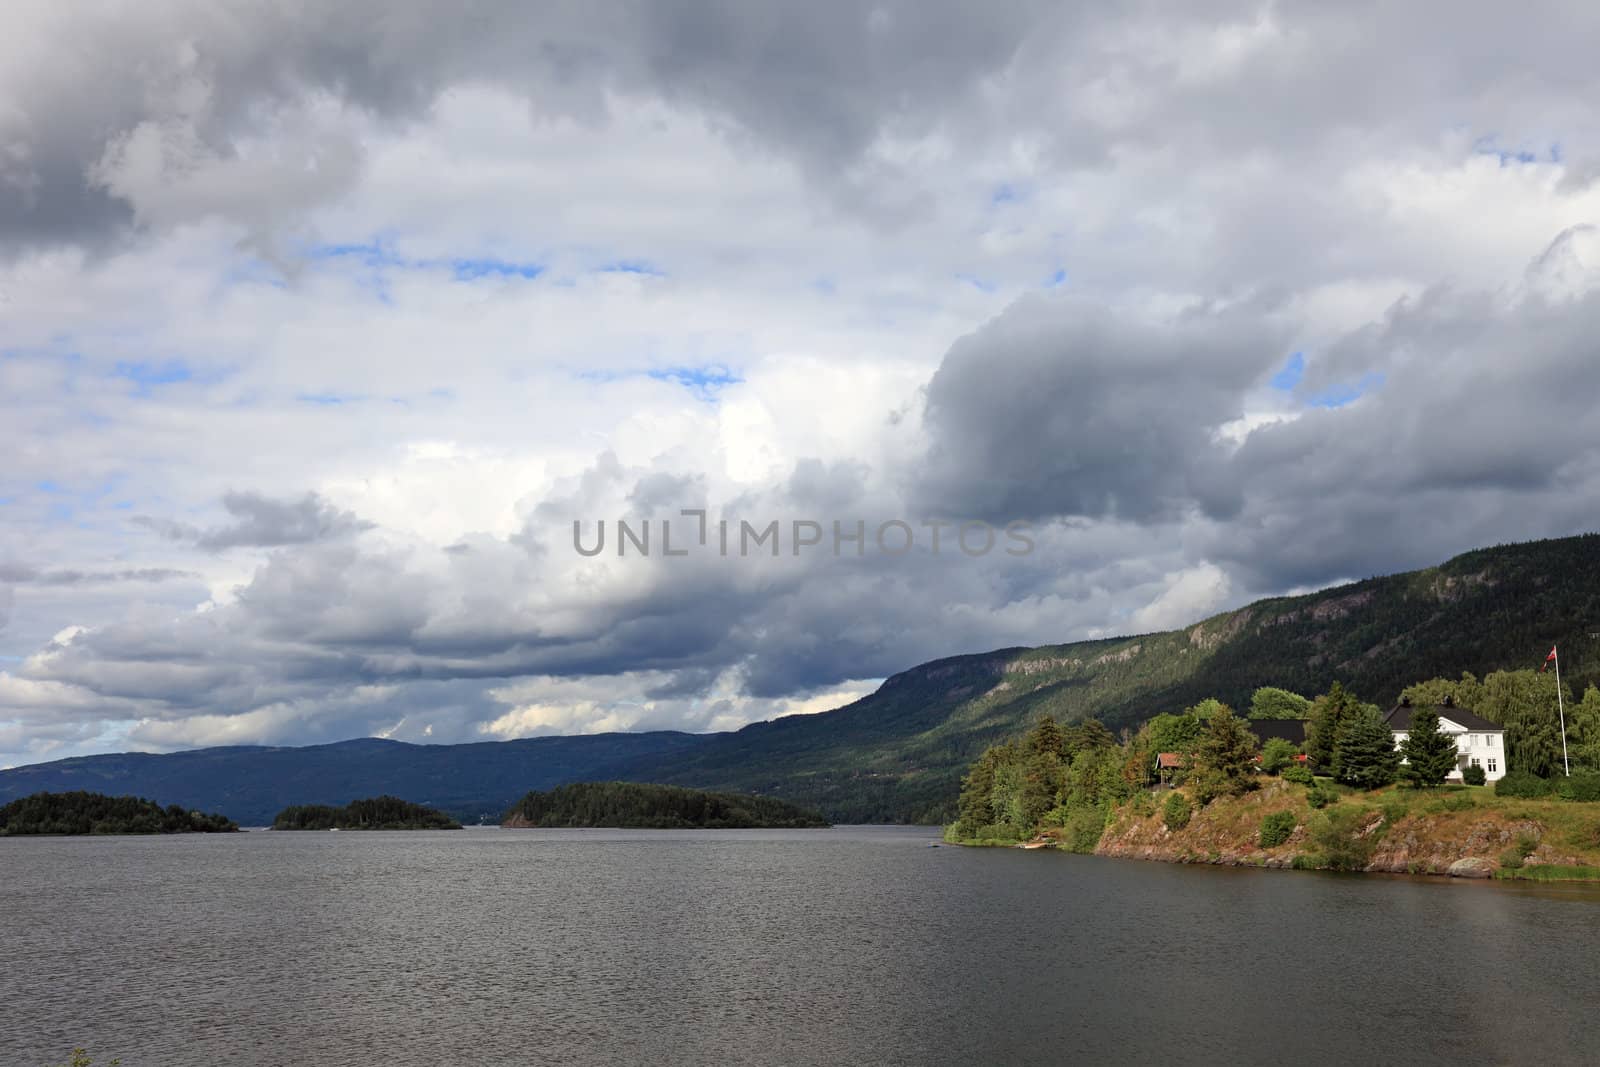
x: 321, y: 325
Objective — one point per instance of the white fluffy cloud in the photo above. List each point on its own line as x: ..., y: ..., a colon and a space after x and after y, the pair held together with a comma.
x: 322, y: 326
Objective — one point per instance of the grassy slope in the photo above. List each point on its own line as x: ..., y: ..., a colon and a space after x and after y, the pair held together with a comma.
x: 898, y: 754
x: 1417, y: 831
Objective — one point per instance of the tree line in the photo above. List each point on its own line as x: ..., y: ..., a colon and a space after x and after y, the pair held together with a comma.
x: 94, y: 813
x: 656, y: 807
x: 373, y: 813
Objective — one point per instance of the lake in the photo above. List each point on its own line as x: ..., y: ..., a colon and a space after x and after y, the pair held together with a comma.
x: 852, y: 945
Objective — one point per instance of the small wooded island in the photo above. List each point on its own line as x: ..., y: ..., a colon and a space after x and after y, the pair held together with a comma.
x: 373, y: 813
x: 632, y: 805
x: 95, y: 813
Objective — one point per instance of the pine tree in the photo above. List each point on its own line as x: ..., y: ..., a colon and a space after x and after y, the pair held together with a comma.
x: 1365, y: 756
x: 1227, y: 751
x: 1329, y: 713
x: 1047, y: 737
x: 1430, y: 754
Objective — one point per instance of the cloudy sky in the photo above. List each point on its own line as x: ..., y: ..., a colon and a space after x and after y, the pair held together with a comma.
x: 321, y: 324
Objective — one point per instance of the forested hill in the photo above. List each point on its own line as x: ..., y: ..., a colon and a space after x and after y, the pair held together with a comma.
x: 253, y: 784
x: 899, y: 753
x: 656, y: 807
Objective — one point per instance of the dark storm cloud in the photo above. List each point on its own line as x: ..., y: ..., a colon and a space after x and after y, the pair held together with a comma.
x: 263, y: 522
x: 1062, y: 407
x: 816, y: 82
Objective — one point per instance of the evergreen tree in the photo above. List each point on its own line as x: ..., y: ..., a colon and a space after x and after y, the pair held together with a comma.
x: 1091, y: 733
x: 1365, y: 756
x: 1329, y: 713
x: 1226, y: 752
x: 1429, y: 753
x: 1047, y: 737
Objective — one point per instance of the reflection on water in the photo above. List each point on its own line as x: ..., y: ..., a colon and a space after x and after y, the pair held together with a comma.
x: 853, y: 945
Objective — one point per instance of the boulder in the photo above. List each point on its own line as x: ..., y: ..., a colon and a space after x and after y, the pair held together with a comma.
x: 1471, y: 867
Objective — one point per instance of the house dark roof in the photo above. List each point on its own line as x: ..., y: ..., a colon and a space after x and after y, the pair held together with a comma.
x: 1399, y: 717
x: 1290, y: 730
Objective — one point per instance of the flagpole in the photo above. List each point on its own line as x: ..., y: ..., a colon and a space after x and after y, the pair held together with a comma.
x: 1561, y: 711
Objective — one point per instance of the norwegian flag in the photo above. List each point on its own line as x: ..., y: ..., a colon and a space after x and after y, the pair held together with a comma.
x: 1547, y: 659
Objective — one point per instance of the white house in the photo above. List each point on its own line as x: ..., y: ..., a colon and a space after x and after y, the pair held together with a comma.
x: 1479, y: 742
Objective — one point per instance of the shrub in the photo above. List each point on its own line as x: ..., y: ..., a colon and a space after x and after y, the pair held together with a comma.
x: 1277, y: 754
x: 1523, y: 784
x: 1276, y: 828
x: 1083, y: 830
x: 1511, y: 859
x: 1175, y: 813
x: 1320, y: 796
x: 1299, y: 772
x: 1142, y: 804
x: 1582, y: 786
x: 1474, y: 775
x: 1338, y: 839
x: 1527, y: 843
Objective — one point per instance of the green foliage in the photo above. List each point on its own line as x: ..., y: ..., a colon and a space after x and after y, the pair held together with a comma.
x: 1340, y: 838
x: 1474, y: 775
x: 1527, y: 843
x: 1429, y: 753
x: 1524, y: 702
x: 1176, y: 811
x: 1329, y: 714
x: 1511, y: 859
x: 1464, y: 692
x: 1083, y: 830
x: 94, y: 813
x: 1276, y: 828
x: 1277, y: 755
x: 1270, y: 702
x: 1321, y: 796
x: 373, y: 813
x: 1581, y: 785
x: 1207, y: 708
x: 1523, y: 784
x: 1553, y: 872
x: 1173, y: 733
x: 1583, y: 730
x: 1365, y: 756
x: 1298, y: 773
x: 656, y: 807
x: 1046, y: 738
x: 1225, y: 755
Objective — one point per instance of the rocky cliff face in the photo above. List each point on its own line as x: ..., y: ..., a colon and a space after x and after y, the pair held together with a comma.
x: 1406, y: 833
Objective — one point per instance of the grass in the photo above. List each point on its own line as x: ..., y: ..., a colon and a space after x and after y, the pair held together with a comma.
x: 1550, y: 872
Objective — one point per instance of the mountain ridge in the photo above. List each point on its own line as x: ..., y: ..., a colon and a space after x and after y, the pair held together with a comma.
x: 897, y: 754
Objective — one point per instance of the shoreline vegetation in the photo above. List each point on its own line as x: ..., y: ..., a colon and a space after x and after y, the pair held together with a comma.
x: 1344, y: 800
x: 638, y: 806
x: 81, y: 813
x: 373, y: 813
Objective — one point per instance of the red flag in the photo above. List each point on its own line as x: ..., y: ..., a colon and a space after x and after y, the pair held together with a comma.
x: 1547, y: 659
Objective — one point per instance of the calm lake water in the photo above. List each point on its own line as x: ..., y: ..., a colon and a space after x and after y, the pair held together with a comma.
x: 853, y: 945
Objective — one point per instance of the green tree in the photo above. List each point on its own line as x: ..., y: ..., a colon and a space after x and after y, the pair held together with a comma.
x: 1464, y: 692
x: 1524, y: 702
x: 1226, y: 752
x: 1365, y: 756
x: 1329, y: 713
x: 1173, y: 733
x: 1269, y: 702
x: 1429, y: 753
x: 1047, y: 737
x: 1091, y: 733
x: 1277, y: 754
x: 1583, y: 730
x: 1207, y: 708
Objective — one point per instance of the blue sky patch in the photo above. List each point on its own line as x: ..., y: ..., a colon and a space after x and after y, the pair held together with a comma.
x: 468, y: 270
x: 633, y: 266
x: 703, y: 381
x: 1059, y: 278
x: 1337, y: 396
x: 1293, y: 370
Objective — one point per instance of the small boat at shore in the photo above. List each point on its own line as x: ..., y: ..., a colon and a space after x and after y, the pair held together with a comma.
x: 1034, y: 844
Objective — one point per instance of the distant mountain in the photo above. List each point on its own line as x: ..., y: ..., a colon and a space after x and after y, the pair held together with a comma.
x: 898, y: 754
x: 252, y: 784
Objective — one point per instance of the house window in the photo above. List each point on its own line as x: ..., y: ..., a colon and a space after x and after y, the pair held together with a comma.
x: 1474, y: 761
x: 1492, y: 767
